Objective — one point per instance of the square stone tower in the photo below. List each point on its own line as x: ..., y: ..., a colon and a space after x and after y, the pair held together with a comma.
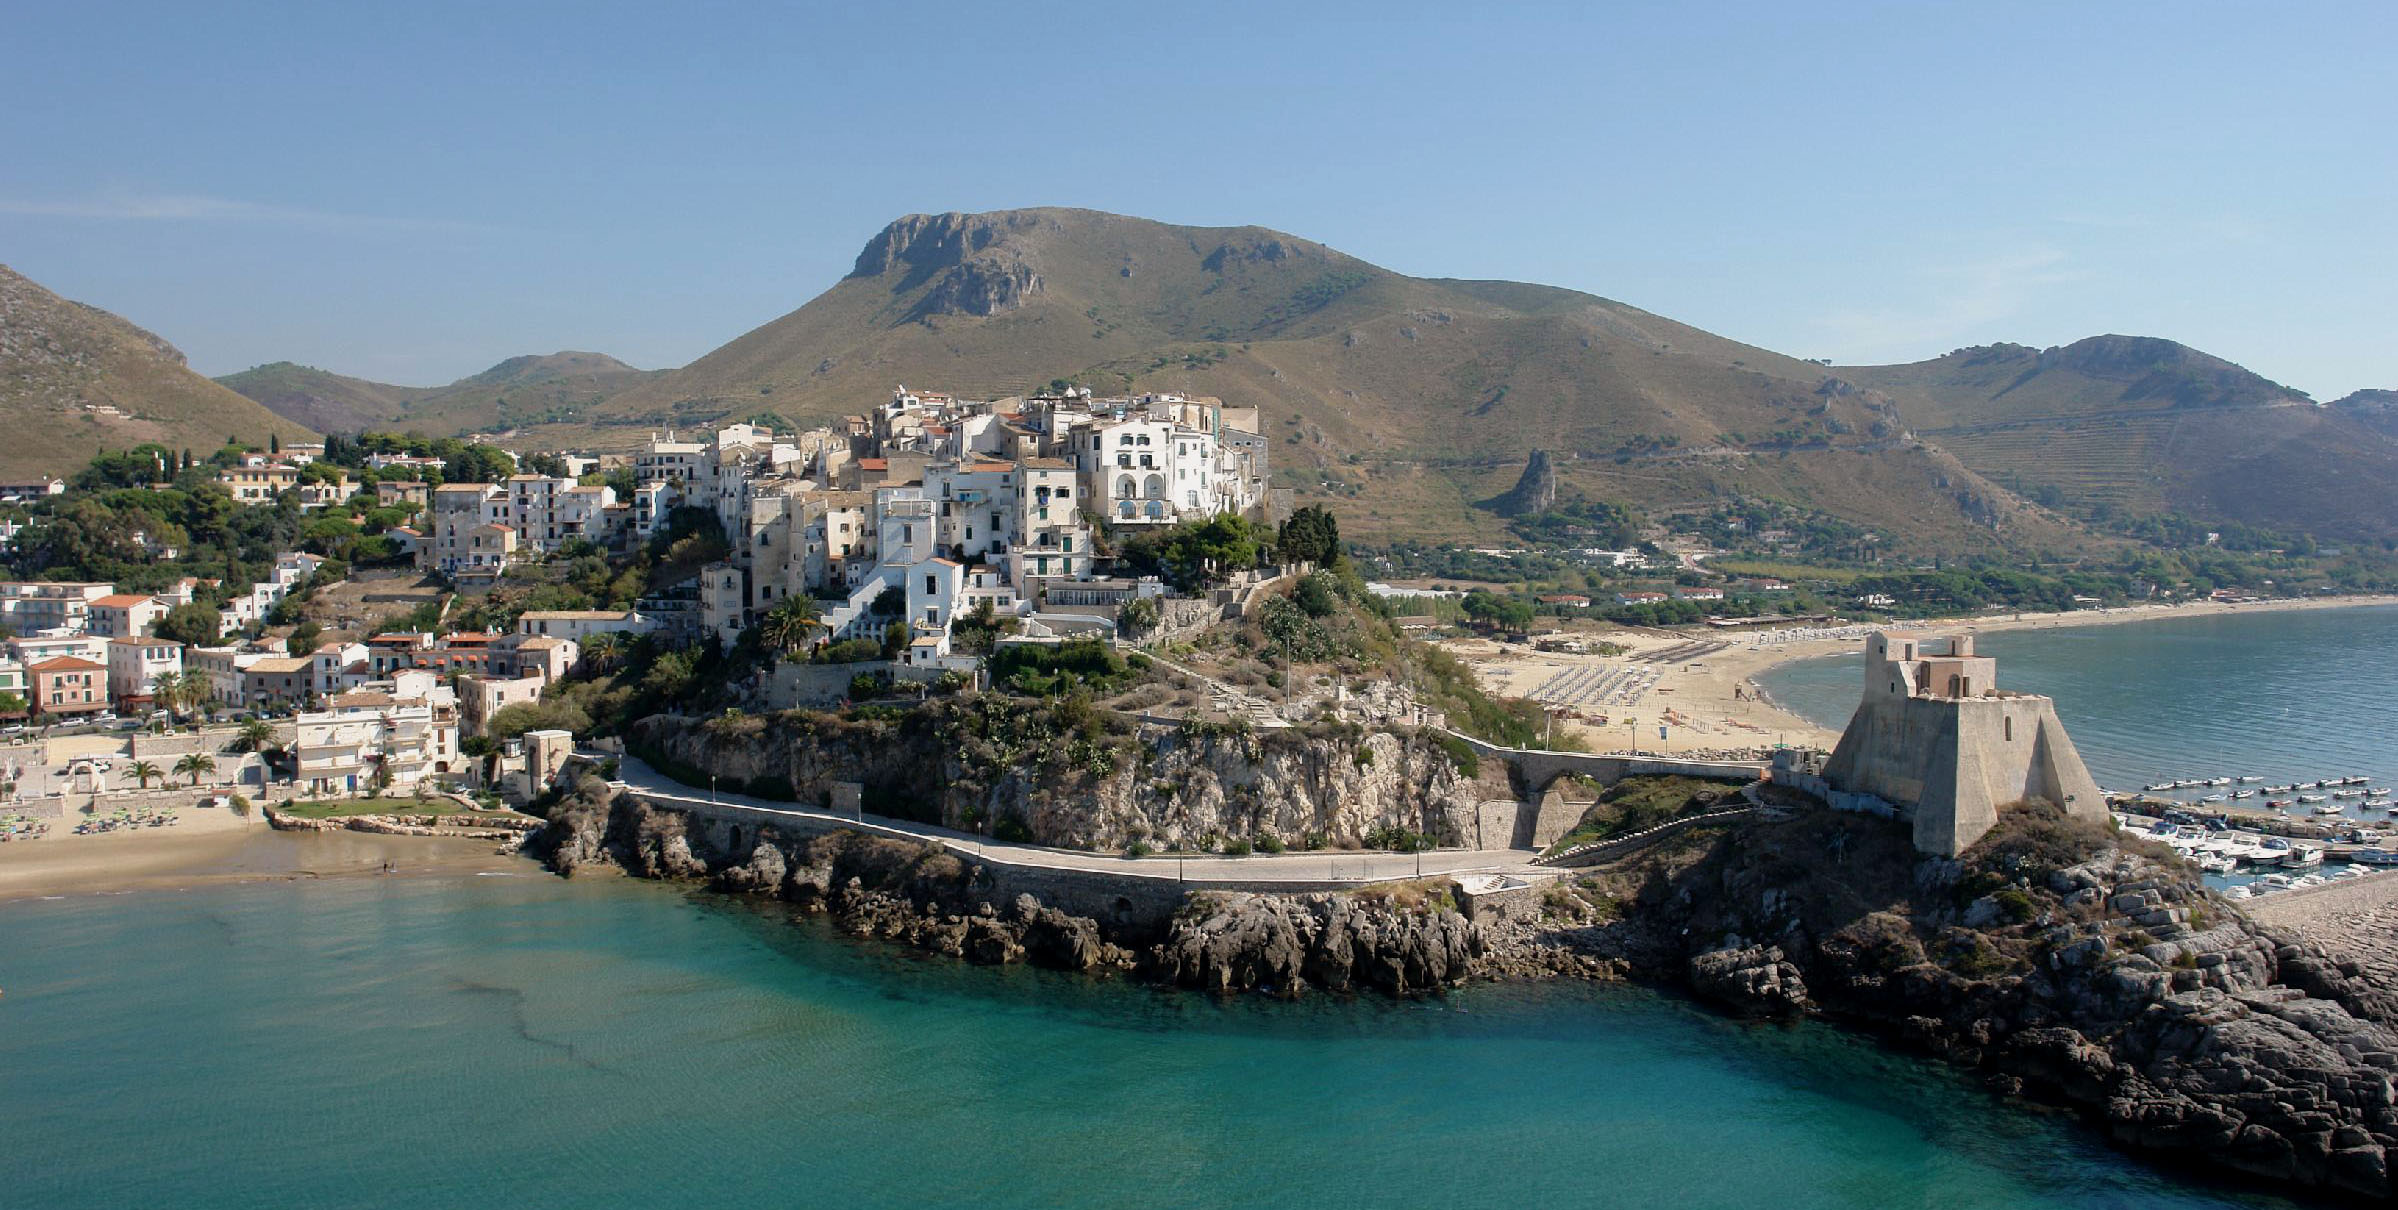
x: 1934, y: 734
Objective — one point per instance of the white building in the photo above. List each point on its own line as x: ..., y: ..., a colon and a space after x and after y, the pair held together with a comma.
x: 389, y: 735
x: 134, y: 666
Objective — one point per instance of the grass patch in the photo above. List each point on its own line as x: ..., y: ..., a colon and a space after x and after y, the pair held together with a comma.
x: 1420, y: 895
x: 1793, y: 572
x: 1637, y: 804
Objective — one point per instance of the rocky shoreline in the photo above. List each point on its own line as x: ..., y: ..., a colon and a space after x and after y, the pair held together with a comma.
x: 2064, y: 964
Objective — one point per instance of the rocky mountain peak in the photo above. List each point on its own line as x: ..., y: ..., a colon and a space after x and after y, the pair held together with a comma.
x: 975, y: 263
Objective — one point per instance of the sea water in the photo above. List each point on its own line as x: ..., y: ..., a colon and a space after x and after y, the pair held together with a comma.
x: 2294, y: 696
x: 531, y: 1042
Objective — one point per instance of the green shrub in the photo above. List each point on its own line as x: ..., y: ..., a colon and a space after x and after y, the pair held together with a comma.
x: 1236, y: 848
x: 1313, y: 842
x: 1398, y: 839
x: 2014, y: 905
x: 1139, y: 848
x: 1460, y: 753
x: 1267, y: 842
x: 1010, y: 828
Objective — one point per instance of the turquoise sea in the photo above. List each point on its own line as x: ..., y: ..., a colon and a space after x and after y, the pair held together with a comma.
x: 529, y: 1042
x: 2282, y: 696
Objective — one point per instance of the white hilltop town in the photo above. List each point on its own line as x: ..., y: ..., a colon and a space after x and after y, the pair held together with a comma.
x: 951, y: 504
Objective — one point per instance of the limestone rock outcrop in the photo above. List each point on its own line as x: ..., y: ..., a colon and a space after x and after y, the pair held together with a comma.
x: 1166, y: 787
x: 1286, y: 944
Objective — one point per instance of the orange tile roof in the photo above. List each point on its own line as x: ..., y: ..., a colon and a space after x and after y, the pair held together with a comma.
x: 120, y: 600
x: 67, y: 663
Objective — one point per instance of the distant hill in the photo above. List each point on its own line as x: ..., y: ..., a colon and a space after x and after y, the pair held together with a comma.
x: 2141, y: 425
x: 2376, y: 410
x: 75, y: 379
x: 537, y: 389
x: 324, y: 401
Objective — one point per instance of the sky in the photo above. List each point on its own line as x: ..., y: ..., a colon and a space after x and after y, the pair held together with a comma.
x: 411, y: 193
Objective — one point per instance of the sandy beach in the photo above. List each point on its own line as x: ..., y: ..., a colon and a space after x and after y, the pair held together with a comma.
x: 215, y: 846
x: 1707, y: 699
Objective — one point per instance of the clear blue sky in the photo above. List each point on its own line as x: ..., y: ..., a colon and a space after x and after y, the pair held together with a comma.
x: 411, y: 192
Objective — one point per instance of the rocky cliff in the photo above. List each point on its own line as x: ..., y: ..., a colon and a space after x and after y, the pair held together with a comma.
x: 2066, y: 965
x: 1401, y: 940
x: 989, y: 763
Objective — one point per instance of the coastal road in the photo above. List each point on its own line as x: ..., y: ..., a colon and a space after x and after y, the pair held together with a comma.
x: 1261, y: 869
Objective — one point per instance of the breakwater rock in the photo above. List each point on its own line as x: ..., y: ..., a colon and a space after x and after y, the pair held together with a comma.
x: 2062, y: 961
x: 510, y: 829
x: 991, y: 762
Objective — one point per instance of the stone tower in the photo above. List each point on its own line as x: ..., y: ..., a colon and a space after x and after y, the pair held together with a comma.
x: 1934, y: 734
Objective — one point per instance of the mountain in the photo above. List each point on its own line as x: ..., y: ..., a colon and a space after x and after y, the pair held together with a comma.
x: 1415, y: 405
x: 536, y: 389
x: 2138, y: 425
x: 75, y: 379
x: 1404, y: 399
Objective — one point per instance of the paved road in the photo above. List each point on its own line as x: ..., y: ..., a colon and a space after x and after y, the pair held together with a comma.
x: 1263, y: 868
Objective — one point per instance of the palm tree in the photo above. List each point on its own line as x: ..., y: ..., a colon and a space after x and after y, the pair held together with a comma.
x: 195, y: 764
x: 790, y: 626
x: 602, y: 649
x: 143, y: 771
x: 180, y: 691
x: 257, y: 735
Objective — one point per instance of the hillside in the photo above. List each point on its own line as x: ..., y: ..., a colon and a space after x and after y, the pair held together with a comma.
x: 75, y: 379
x: 1433, y: 391
x: 2376, y: 410
x: 2139, y: 425
x: 324, y: 401
x: 1414, y: 404
x: 536, y: 389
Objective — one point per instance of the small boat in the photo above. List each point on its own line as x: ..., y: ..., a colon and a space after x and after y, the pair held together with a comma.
x: 2273, y: 882
x: 2277, y: 803
x: 2374, y: 857
x: 2377, y: 792
x: 2302, y: 857
x: 2330, y: 808
x: 2214, y: 864
x: 2279, y: 789
x: 2310, y: 798
x: 2238, y: 892
x: 2212, y: 798
x: 2243, y: 794
x: 2218, y: 781
x: 2248, y: 778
